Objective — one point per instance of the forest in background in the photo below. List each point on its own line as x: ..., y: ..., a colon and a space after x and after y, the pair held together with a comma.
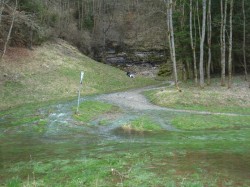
x: 214, y: 32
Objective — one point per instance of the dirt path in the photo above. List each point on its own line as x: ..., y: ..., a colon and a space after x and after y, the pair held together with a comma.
x: 135, y: 100
x: 131, y: 100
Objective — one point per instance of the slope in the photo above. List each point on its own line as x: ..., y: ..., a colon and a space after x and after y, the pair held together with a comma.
x: 52, y: 72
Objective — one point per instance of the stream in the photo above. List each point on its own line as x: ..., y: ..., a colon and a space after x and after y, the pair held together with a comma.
x: 39, y: 151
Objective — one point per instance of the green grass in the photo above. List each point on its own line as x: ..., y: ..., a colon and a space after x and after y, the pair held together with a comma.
x: 211, y: 99
x: 142, y: 124
x: 136, y: 164
x: 213, y: 150
x: 49, y: 73
x: 202, y: 122
x: 90, y: 110
x: 26, y: 114
x: 188, y: 158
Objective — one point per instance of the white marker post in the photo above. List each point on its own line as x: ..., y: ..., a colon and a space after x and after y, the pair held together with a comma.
x: 79, y: 91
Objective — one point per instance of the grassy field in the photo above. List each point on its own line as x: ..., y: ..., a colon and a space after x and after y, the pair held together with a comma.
x: 190, y: 159
x: 213, y: 98
x: 52, y: 72
x: 41, y: 148
x: 219, y: 102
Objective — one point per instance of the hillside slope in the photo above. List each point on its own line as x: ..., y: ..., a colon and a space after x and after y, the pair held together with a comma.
x: 52, y: 72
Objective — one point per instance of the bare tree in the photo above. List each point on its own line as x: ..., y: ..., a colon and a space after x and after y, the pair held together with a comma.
x: 10, y: 30
x: 204, y: 5
x: 223, y: 41
x: 209, y: 38
x: 79, y: 15
x: 171, y: 39
x: 198, y: 17
x: 193, y: 45
x: 185, y: 63
x: 1, y: 10
x: 107, y: 25
x: 230, y: 45
x: 244, y: 38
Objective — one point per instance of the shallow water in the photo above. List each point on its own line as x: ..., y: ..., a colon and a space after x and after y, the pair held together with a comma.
x: 215, y: 158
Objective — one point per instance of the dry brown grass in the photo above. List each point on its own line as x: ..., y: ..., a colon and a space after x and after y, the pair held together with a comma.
x: 211, y: 98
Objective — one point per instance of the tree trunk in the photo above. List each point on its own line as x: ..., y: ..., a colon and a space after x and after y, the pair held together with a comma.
x: 82, y: 17
x: 103, y: 31
x: 170, y: 33
x: 198, y: 17
x: 204, y: 3
x: 184, y: 61
x: 1, y: 10
x: 138, y: 15
x: 244, y: 38
x: 223, y: 42
x: 79, y: 14
x: 230, y: 45
x: 10, y: 30
x: 221, y: 31
x: 209, y: 37
x: 172, y: 42
x: 192, y: 42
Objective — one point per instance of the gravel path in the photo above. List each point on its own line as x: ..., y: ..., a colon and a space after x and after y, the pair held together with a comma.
x: 135, y: 100
x: 130, y: 99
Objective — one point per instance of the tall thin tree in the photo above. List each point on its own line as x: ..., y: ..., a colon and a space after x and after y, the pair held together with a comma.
x: 230, y: 44
x: 1, y: 10
x: 204, y: 12
x: 198, y: 17
x: 10, y: 30
x: 193, y: 46
x: 209, y: 38
x: 244, y: 38
x: 172, y: 41
x: 223, y: 41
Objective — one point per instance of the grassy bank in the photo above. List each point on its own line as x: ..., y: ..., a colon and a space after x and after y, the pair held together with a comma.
x: 52, y: 72
x: 213, y: 98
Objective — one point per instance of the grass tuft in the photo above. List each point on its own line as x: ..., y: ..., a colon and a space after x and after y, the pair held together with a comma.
x: 142, y: 124
x: 90, y: 110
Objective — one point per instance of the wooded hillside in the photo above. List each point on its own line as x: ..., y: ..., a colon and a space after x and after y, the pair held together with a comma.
x: 206, y: 37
